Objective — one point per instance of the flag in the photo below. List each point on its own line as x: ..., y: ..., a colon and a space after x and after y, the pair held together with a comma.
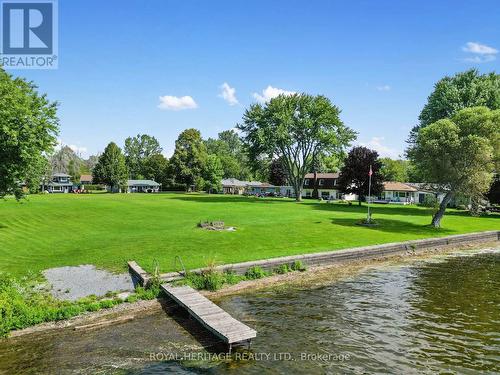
x: 371, y: 172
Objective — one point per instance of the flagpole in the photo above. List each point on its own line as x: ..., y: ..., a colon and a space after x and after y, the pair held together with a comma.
x: 369, y: 192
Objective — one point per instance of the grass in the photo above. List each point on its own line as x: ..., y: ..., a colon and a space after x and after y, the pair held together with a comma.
x: 107, y: 230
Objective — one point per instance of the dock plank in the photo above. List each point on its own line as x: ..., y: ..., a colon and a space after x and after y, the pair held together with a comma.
x: 211, y: 316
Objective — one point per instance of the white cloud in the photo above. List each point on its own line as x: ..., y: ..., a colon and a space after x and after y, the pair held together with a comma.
x: 228, y: 93
x: 270, y: 92
x: 175, y: 103
x: 482, y: 52
x: 376, y: 143
x: 480, y: 59
x: 384, y: 88
x: 78, y: 149
x: 481, y: 49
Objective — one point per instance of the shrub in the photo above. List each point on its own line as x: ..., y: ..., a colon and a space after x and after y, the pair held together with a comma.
x: 430, y: 201
x: 232, y: 277
x: 132, y: 298
x: 213, y: 280
x: 93, y: 187
x: 256, y: 272
x: 22, y: 306
x: 282, y: 269
x: 298, y: 266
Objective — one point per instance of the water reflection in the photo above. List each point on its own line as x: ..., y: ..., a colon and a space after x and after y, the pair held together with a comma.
x: 437, y: 315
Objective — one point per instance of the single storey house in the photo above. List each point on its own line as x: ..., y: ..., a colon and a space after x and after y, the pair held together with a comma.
x: 233, y: 186
x: 86, y: 179
x: 257, y: 187
x: 143, y: 186
x: 59, y: 183
x: 404, y: 193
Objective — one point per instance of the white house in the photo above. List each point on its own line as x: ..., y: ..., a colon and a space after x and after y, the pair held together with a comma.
x: 143, y: 186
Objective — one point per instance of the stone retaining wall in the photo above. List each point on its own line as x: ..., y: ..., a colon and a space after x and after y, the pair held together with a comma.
x: 353, y: 254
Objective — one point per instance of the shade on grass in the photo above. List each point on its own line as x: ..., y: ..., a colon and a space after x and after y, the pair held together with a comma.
x: 108, y: 229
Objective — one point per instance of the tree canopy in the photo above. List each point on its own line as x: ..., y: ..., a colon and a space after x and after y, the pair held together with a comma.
x: 137, y: 149
x: 212, y: 174
x: 463, y: 90
x: 396, y: 170
x: 111, y: 168
x: 189, y: 159
x: 296, y: 128
x: 229, y: 149
x: 156, y: 167
x: 459, y: 154
x: 354, y: 175
x: 28, y: 130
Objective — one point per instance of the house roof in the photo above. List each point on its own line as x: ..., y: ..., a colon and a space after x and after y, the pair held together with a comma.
x: 58, y: 184
x: 60, y: 175
x: 323, y: 175
x: 397, y: 186
x: 142, y: 183
x: 86, y: 177
x: 259, y: 184
x: 234, y: 182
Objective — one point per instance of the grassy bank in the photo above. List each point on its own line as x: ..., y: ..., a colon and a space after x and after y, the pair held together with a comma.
x: 107, y: 230
x: 23, y: 303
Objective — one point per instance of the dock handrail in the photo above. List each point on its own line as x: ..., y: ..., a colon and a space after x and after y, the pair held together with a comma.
x: 177, y: 257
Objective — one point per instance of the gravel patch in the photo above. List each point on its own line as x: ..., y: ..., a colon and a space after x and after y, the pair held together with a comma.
x: 72, y: 283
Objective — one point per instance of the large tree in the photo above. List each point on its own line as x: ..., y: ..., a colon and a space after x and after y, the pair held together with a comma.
x: 137, y: 149
x: 354, y: 175
x: 296, y: 128
x: 212, y: 174
x: 228, y: 147
x: 156, y: 167
x: 111, y: 169
x: 189, y: 159
x: 28, y: 130
x: 395, y: 169
x: 463, y: 90
x: 459, y: 154
x: 277, y: 173
x: 493, y: 194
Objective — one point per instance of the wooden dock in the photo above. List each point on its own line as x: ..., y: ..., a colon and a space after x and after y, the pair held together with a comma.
x: 211, y: 316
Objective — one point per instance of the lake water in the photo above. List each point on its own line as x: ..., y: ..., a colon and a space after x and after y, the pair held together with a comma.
x: 437, y: 315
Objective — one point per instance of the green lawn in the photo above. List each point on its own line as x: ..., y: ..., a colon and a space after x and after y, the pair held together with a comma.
x: 108, y: 229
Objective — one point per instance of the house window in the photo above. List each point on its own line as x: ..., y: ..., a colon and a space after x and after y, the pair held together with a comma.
x: 402, y: 194
x: 321, y: 182
x: 325, y: 194
x: 308, y: 193
x: 306, y: 182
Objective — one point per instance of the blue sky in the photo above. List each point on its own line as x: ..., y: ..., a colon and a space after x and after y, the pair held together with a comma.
x: 376, y: 60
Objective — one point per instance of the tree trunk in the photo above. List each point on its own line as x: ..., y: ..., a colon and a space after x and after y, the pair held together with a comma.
x: 359, y: 200
x: 315, y: 193
x: 298, y: 191
x: 436, y: 219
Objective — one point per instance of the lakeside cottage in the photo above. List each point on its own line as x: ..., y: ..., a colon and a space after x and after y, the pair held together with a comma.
x: 86, y: 179
x: 326, y: 185
x: 137, y: 186
x: 405, y: 193
x: 233, y: 186
x: 59, y: 183
x: 143, y: 186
